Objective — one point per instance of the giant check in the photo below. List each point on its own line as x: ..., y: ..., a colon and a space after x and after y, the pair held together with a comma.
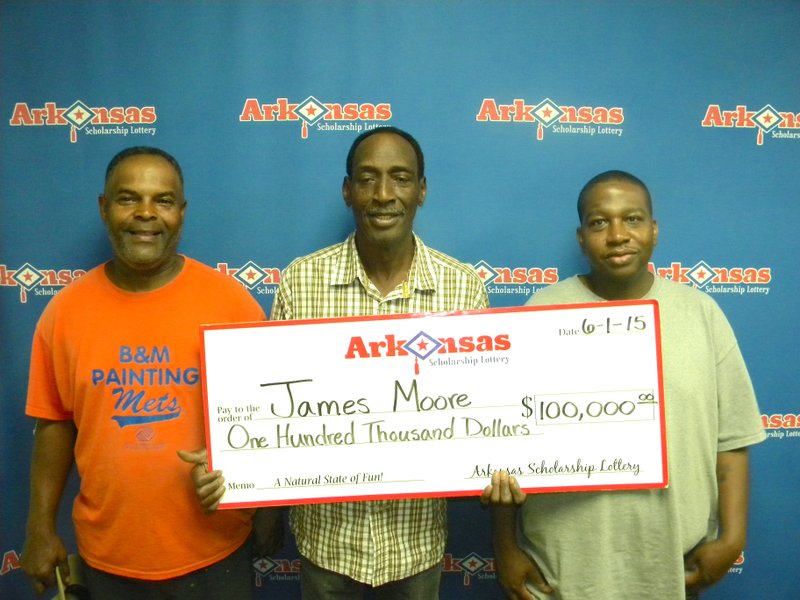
x: 566, y: 398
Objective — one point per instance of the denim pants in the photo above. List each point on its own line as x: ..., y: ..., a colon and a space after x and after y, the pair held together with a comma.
x: 229, y: 579
x: 317, y: 583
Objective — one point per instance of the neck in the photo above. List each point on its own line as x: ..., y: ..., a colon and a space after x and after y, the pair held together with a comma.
x: 147, y: 280
x: 628, y: 289
x: 386, y: 267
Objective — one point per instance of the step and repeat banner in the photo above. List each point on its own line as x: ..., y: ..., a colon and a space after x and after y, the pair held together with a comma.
x: 516, y: 105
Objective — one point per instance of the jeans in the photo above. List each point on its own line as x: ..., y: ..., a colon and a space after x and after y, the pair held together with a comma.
x: 229, y: 579
x: 317, y: 583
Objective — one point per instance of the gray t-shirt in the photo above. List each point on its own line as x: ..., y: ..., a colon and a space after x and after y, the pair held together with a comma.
x: 630, y: 544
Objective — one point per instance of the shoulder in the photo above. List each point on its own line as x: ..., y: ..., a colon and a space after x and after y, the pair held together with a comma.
x: 452, y: 279
x: 76, y: 301
x: 684, y: 296
x: 200, y: 273
x: 217, y: 286
x: 85, y: 286
x: 442, y: 262
x: 685, y: 308
x: 564, y: 292
x: 313, y: 260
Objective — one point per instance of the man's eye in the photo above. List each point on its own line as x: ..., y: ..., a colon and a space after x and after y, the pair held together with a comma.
x: 166, y: 202
x: 125, y: 200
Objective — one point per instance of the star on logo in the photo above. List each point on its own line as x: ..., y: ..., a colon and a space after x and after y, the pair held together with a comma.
x: 310, y: 111
x: 418, y: 345
x: 27, y: 276
x: 700, y: 274
x: 547, y: 112
x: 264, y: 565
x: 767, y: 118
x: 79, y: 115
x: 472, y: 563
x: 250, y: 275
x: 485, y: 272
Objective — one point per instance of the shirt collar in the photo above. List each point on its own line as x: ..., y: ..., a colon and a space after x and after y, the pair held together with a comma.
x: 421, y: 276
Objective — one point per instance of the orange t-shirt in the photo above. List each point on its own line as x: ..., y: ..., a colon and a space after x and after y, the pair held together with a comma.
x: 125, y: 367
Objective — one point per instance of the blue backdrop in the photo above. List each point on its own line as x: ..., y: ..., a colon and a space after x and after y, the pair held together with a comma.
x: 516, y: 105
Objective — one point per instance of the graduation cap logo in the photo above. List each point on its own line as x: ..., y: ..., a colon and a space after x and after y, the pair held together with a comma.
x: 28, y: 277
x: 310, y: 111
x: 767, y: 119
x: 546, y: 112
x: 421, y: 346
x: 78, y: 116
x: 700, y: 274
x: 485, y: 272
x: 250, y: 275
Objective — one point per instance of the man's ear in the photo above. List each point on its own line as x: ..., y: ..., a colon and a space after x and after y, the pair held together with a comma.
x: 423, y: 191
x: 346, y: 191
x: 655, y: 233
x: 579, y: 237
x: 101, y: 205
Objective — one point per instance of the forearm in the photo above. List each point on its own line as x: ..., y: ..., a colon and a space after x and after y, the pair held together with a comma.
x: 51, y: 462
x: 734, y: 491
x: 504, y: 526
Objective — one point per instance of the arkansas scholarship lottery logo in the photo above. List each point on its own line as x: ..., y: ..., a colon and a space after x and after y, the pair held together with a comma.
x: 781, y: 425
x: 514, y: 280
x: 80, y: 117
x: 257, y: 279
x: 471, y: 350
x: 718, y: 280
x: 30, y: 280
x: 562, y: 119
x: 767, y: 120
x: 472, y: 566
x: 322, y: 116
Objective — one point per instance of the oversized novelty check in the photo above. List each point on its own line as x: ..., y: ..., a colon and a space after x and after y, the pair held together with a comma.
x: 566, y: 398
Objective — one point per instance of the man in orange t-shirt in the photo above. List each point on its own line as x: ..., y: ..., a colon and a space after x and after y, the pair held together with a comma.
x: 115, y: 388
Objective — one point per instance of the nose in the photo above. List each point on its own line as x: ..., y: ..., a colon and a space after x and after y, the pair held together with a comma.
x: 384, y: 190
x: 617, y: 232
x: 145, y: 209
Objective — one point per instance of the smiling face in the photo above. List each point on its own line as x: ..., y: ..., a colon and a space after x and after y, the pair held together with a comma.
x: 384, y: 192
x: 617, y: 235
x: 143, y: 208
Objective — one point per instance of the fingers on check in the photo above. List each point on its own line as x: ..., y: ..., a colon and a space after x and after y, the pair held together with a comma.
x: 517, y: 495
x: 194, y: 456
x: 486, y: 496
x: 211, y: 492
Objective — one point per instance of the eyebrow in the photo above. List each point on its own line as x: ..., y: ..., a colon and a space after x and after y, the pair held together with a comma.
x: 372, y: 168
x: 131, y: 192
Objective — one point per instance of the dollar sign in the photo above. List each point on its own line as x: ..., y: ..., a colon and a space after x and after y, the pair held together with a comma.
x: 527, y: 411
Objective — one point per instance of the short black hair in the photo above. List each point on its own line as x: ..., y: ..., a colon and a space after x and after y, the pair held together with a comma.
x: 607, y: 176
x: 143, y: 150
x: 387, y: 129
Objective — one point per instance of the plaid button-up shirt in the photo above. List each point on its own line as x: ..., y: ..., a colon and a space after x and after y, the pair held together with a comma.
x: 374, y: 542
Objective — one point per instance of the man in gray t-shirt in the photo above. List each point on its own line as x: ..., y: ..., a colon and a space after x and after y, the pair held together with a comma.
x: 665, y: 543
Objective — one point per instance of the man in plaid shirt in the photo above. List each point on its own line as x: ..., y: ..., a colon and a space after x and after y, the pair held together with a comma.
x: 393, y: 546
